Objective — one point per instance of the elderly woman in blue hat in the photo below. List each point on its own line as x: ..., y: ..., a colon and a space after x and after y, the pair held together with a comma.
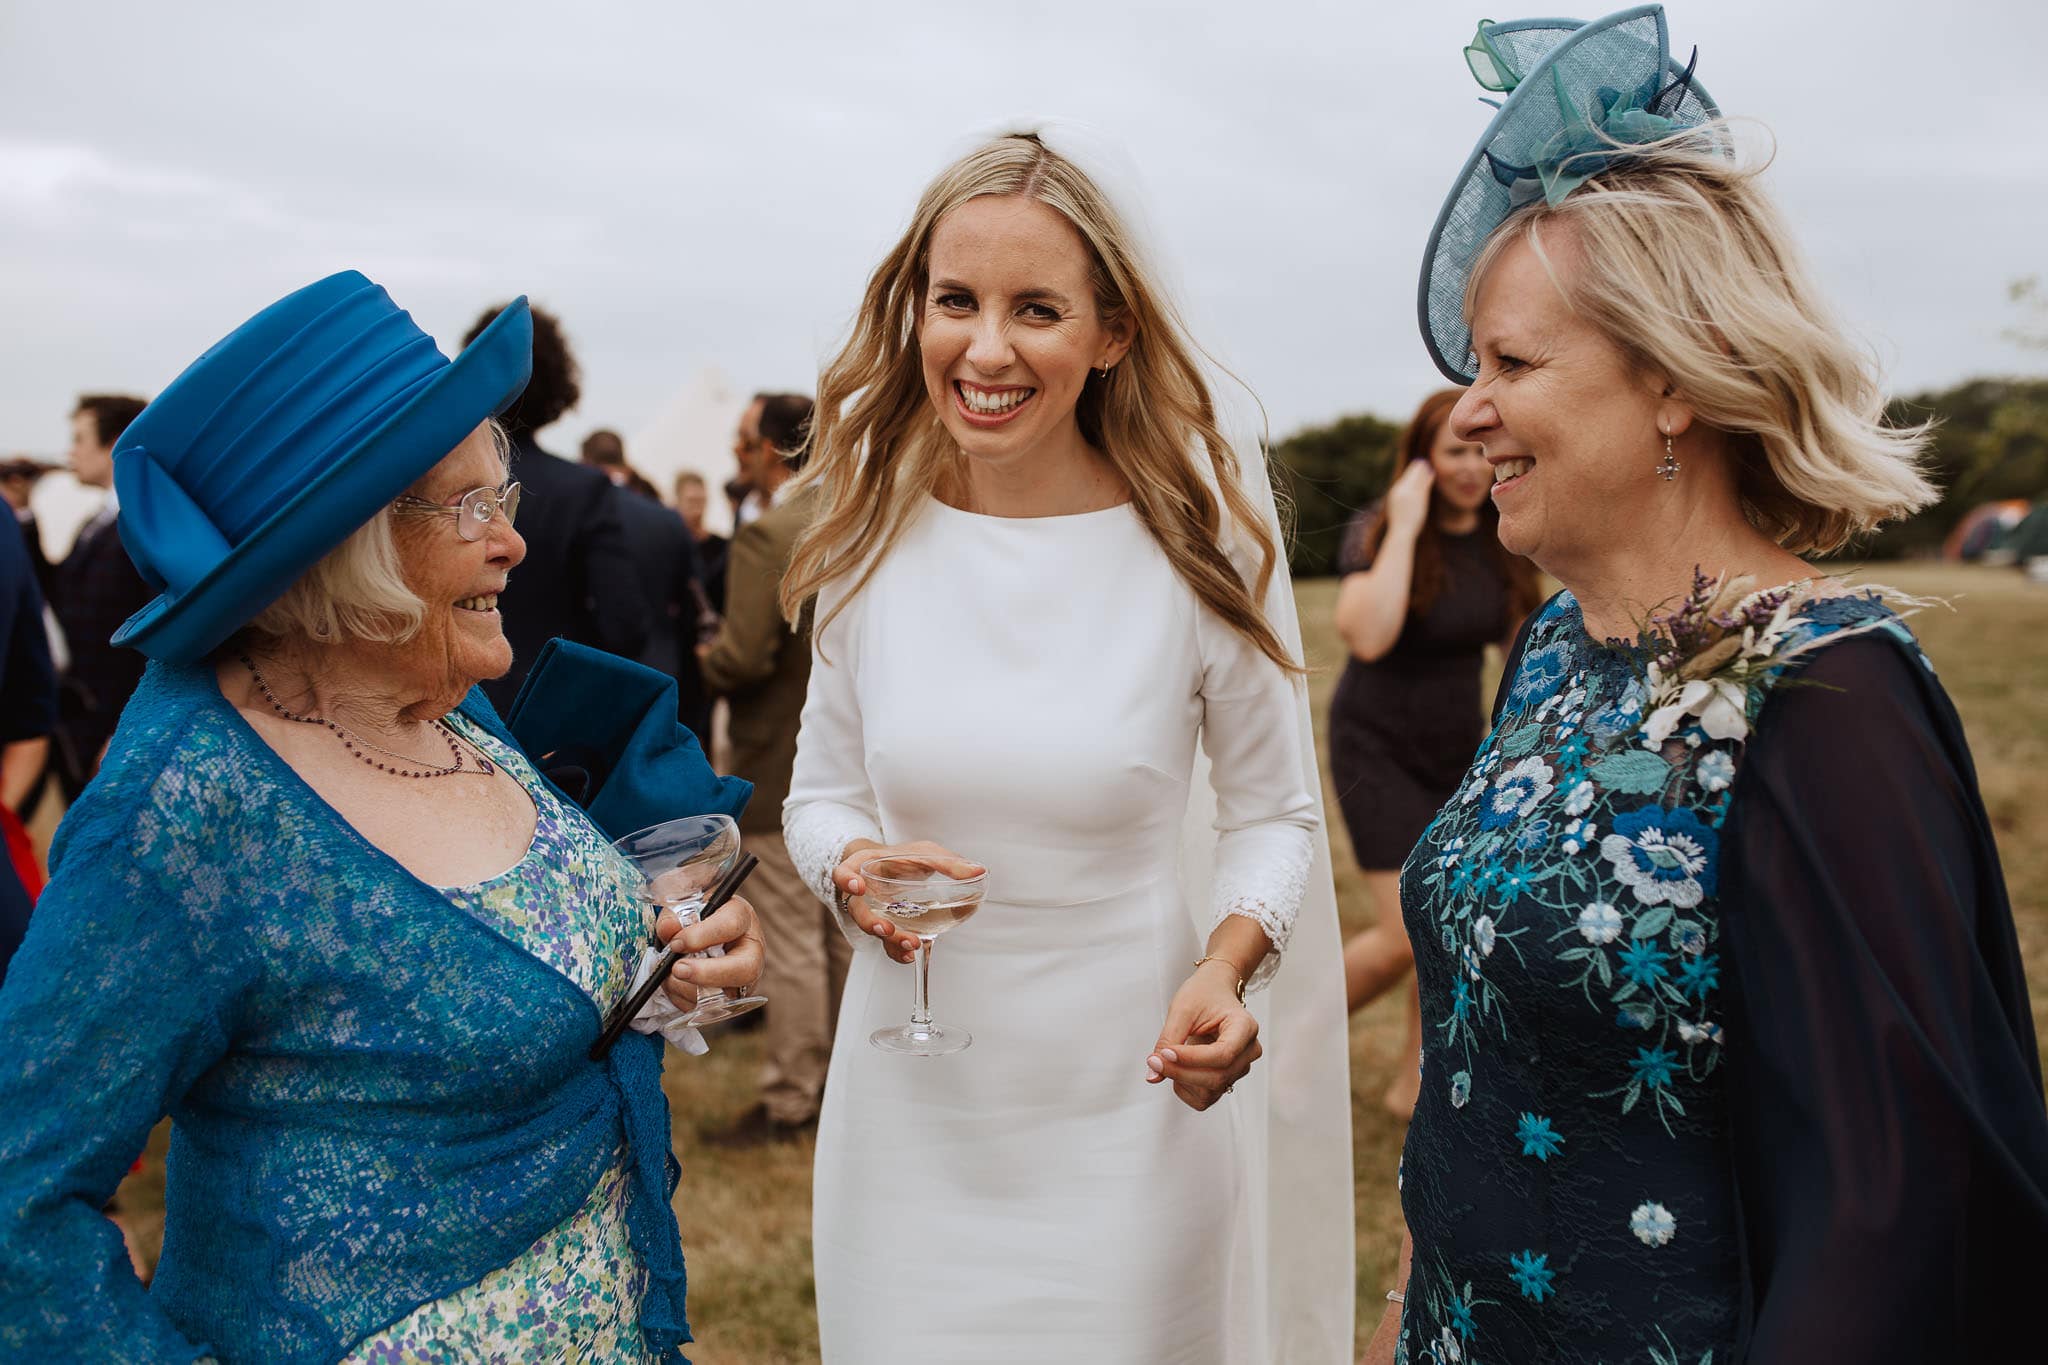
x: 1728, y: 1053
x: 321, y: 909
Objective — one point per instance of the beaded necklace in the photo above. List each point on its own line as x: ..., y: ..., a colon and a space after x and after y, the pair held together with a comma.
x: 355, y: 743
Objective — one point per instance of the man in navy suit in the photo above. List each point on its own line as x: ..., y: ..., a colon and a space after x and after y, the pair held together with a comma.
x: 578, y: 580
x: 92, y: 592
x: 664, y: 559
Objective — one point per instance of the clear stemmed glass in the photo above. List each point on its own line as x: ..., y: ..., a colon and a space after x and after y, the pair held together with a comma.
x: 681, y: 861
x: 916, y: 896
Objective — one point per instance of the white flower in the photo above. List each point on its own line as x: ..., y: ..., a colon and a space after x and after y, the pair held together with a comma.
x: 1517, y: 791
x: 1720, y: 703
x: 1483, y: 935
x: 1578, y: 835
x: 1449, y: 1348
x: 1580, y: 800
x: 1472, y: 790
x: 1661, y: 723
x: 1705, y: 1031
x: 1716, y: 771
x: 1653, y: 1225
x: 1600, y: 923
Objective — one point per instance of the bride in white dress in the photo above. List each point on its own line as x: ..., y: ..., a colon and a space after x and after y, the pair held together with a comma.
x: 1043, y: 576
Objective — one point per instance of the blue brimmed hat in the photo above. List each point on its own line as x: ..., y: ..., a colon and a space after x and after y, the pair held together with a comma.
x: 281, y: 440
x: 1578, y: 97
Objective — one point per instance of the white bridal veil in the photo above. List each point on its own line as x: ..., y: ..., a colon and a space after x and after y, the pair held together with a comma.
x: 1296, y: 1232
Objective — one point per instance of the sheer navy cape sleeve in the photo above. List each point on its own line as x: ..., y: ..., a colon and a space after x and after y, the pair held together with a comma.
x: 1889, y: 1141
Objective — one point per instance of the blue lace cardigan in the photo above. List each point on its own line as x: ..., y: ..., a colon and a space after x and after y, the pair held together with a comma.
x: 376, y: 1099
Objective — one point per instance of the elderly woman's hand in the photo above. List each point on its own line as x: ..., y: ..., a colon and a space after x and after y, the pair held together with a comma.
x: 733, y: 928
x: 853, y: 891
x: 1210, y: 1040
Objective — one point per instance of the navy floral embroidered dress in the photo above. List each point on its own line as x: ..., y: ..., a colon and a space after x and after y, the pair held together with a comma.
x: 1727, y: 1050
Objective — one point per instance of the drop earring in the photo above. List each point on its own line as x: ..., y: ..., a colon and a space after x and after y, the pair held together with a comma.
x: 1668, y: 467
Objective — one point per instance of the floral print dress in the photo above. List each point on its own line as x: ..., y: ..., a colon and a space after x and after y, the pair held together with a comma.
x: 574, y: 1295
x: 1570, y: 1180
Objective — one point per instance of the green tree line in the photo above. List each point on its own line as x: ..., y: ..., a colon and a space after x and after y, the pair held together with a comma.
x: 1989, y: 441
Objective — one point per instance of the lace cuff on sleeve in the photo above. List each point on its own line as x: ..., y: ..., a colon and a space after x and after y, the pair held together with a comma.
x: 817, y: 833
x: 1267, y: 891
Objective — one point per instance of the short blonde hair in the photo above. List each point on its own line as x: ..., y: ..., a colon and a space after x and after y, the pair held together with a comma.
x: 357, y: 591
x: 1687, y: 268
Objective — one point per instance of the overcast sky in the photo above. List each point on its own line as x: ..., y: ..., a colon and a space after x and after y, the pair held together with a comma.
x: 689, y: 184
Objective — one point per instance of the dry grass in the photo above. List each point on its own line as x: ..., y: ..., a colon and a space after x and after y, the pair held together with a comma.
x: 746, y: 1217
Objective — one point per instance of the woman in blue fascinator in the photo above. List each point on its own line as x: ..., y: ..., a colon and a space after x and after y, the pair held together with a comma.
x: 1728, y: 1052
x: 321, y: 909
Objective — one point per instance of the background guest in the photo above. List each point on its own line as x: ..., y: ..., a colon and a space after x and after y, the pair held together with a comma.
x: 28, y: 710
x: 579, y: 581
x: 17, y: 482
x: 605, y: 451
x: 1426, y: 588
x: 762, y: 666
x: 92, y: 592
x: 664, y: 563
x: 693, y: 500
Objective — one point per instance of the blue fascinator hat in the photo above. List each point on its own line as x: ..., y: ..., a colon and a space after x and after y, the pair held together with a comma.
x: 1578, y: 97
x: 282, y: 439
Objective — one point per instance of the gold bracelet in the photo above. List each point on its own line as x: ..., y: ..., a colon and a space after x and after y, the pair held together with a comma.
x: 1233, y: 970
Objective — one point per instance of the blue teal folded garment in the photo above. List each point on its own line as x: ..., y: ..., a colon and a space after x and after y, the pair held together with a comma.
x: 614, y: 722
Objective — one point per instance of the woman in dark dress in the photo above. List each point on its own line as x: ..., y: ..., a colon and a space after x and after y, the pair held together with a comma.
x: 1729, y: 1056
x: 1426, y: 588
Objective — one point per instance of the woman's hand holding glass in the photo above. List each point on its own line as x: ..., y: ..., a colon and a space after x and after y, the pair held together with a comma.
x: 1210, y: 1039
x: 733, y: 928
x: 900, y: 944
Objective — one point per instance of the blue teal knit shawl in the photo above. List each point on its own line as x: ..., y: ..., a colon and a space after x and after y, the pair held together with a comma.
x: 375, y: 1099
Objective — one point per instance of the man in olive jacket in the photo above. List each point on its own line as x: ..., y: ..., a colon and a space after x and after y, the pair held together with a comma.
x: 762, y: 667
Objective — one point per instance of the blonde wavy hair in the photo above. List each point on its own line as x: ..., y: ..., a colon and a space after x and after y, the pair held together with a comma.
x: 877, y: 448
x: 1687, y: 268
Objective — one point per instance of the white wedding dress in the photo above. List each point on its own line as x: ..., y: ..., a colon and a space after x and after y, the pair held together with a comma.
x: 1029, y: 693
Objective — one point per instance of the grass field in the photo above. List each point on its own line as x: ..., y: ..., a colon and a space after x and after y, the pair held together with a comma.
x: 746, y: 1217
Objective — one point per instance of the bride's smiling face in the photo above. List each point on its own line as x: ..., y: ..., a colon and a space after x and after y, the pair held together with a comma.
x: 1009, y: 328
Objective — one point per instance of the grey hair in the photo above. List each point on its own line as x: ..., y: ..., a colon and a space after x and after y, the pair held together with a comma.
x: 357, y: 591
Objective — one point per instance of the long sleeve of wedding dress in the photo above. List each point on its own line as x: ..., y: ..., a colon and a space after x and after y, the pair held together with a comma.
x: 1266, y: 815
x: 830, y: 801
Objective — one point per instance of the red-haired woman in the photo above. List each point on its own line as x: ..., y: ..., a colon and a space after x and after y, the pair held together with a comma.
x: 1426, y: 588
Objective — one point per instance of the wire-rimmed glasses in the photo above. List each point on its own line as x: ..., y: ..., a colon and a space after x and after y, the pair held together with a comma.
x: 473, y: 511
x: 915, y: 896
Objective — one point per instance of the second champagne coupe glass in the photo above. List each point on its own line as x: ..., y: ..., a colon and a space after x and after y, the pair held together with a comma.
x: 915, y: 896
x: 682, y: 860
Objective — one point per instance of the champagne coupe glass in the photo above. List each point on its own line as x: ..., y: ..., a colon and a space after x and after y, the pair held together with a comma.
x: 913, y: 894
x: 681, y: 861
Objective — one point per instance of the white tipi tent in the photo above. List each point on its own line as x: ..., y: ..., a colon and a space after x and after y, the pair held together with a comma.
x: 694, y: 431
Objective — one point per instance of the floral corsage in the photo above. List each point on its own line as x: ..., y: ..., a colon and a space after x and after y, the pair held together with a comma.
x: 1713, y: 654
